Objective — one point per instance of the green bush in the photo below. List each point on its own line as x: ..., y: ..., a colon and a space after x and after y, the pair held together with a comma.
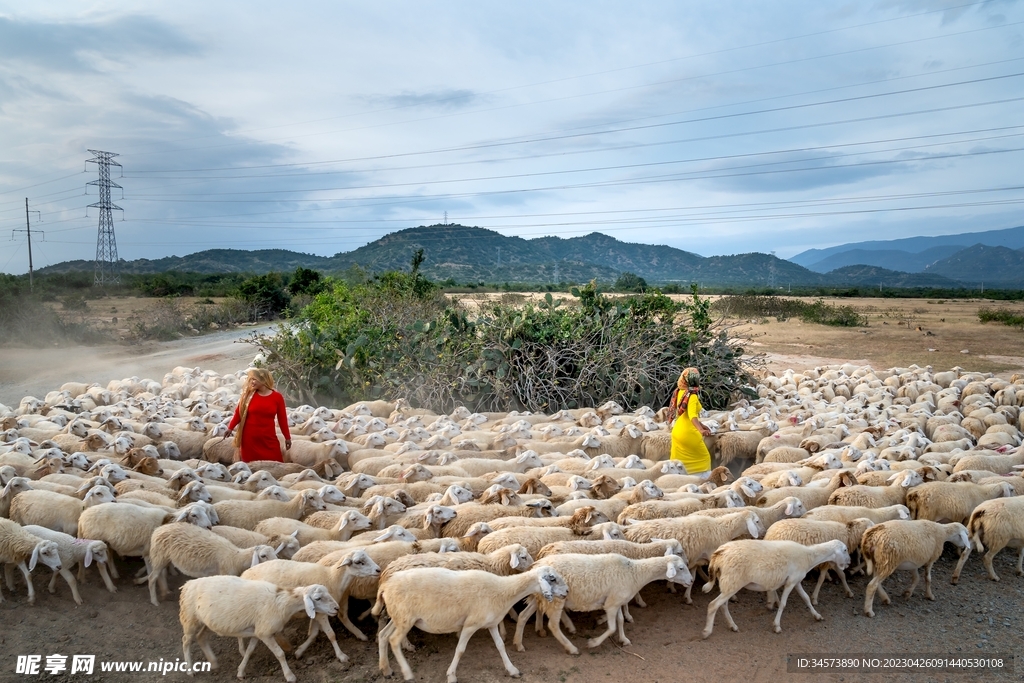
x: 770, y: 306
x: 264, y: 295
x: 991, y: 315
x: 397, y: 335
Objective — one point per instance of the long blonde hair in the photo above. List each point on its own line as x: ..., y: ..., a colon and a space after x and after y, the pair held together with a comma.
x: 264, y: 376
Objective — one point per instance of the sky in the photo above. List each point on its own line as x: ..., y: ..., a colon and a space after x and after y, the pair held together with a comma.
x: 718, y: 128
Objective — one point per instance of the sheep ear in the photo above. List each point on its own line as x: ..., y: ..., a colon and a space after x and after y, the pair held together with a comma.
x: 88, y: 556
x: 747, y: 491
x: 294, y: 534
x: 307, y: 600
x: 751, y: 527
x: 428, y: 519
x: 789, y: 509
x: 278, y: 548
x: 590, y: 515
x: 34, y: 559
x: 255, y: 558
x: 515, y: 560
x: 671, y: 572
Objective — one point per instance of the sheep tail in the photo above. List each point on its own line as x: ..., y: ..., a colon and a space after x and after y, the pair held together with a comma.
x: 867, y: 550
x: 712, y: 577
x: 976, y: 528
x: 378, y: 607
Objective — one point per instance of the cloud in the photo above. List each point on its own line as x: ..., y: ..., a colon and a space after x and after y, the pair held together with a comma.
x: 82, y: 45
x: 446, y: 99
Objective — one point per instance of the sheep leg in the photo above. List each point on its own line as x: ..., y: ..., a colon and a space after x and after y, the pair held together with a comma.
x: 960, y: 565
x: 72, y: 584
x: 913, y: 584
x: 773, y: 598
x: 113, y: 569
x: 554, y: 621
x: 639, y: 601
x: 245, y: 655
x: 807, y: 600
x: 346, y: 622
x: 394, y: 639
x: 612, y: 614
x: 846, y: 586
x: 278, y: 652
x: 152, y: 580
x: 498, y: 643
x: 928, y: 582
x: 9, y: 577
x: 501, y: 629
x: 722, y: 599
x: 728, y: 616
x: 325, y: 626
x: 874, y: 585
x: 28, y: 580
x: 382, y: 648
x: 822, y: 575
x: 524, y: 616
x: 52, y: 586
x: 782, y: 604
x: 1020, y: 562
x: 625, y: 613
x: 621, y: 628
x: 460, y: 649
x: 186, y: 646
x: 567, y: 622
x: 203, y: 638
x: 106, y: 576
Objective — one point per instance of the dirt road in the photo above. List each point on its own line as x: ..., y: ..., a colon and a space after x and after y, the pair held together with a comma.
x: 35, y: 371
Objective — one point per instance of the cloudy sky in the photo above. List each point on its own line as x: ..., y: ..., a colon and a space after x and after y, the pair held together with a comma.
x: 719, y: 128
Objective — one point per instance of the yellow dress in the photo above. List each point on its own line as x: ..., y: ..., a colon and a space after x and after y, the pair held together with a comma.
x: 687, y: 443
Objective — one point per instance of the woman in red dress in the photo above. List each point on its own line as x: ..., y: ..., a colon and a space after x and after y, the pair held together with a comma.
x: 259, y: 404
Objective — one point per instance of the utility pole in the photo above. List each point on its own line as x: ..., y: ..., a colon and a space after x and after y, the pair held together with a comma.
x: 28, y: 234
x: 445, y: 218
x: 106, y: 246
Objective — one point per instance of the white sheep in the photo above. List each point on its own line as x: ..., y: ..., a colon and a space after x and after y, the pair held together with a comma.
x: 445, y: 609
x: 943, y: 501
x: 55, y: 510
x: 813, y: 532
x: 20, y: 548
x: 335, y: 578
x: 607, y: 582
x: 998, y: 524
x: 80, y: 552
x: 907, y: 545
x: 239, y: 608
x: 848, y: 513
x: 243, y: 538
x: 246, y: 514
x: 766, y: 566
x: 535, y: 538
x: 786, y: 508
x: 196, y: 552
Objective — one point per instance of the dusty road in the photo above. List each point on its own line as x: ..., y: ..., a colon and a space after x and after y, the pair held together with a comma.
x: 33, y: 372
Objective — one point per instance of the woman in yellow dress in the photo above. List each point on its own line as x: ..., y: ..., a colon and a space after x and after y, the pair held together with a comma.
x: 688, y: 431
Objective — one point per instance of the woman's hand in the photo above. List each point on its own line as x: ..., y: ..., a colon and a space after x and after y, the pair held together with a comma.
x: 288, y: 444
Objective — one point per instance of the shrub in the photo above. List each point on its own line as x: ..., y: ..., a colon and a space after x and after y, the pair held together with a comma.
x: 762, y: 306
x: 264, y: 295
x: 990, y: 315
x: 397, y: 335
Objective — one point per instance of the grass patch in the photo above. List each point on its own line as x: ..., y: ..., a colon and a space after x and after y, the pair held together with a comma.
x: 990, y: 315
x: 782, y: 309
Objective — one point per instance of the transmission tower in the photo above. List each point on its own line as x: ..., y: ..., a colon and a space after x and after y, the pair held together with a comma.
x: 106, y: 246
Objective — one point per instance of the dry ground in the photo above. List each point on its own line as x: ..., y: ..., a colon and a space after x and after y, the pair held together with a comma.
x: 977, y: 617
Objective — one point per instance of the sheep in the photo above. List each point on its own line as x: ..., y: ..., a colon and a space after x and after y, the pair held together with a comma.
x: 127, y: 529
x: 444, y: 609
x: 878, y: 496
x: 785, y: 509
x: 699, y: 536
x: 810, y: 496
x: 335, y: 578
x: 239, y: 608
x: 55, y: 510
x: 74, y: 552
x: 661, y: 509
x: 766, y: 566
x: 634, y: 551
x: 196, y: 552
x: 535, y: 538
x: 243, y: 538
x: 505, y: 561
x: 605, y: 582
x: 848, y: 513
x: 739, y: 445
x: 19, y: 547
x: 719, y: 476
x: 468, y: 514
x: 427, y: 522
x: 903, y: 545
x: 317, y: 550
x: 997, y: 523
x: 1000, y: 464
x: 246, y: 514
x: 580, y: 521
x: 12, y: 488
x: 942, y: 501
x: 812, y: 532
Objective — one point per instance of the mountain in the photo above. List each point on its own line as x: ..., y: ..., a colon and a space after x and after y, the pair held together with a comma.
x: 1012, y: 238
x: 873, y: 276
x: 980, y: 263
x: 209, y: 262
x: 889, y: 259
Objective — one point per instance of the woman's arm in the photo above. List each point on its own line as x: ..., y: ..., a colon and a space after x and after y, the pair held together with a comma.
x: 282, y: 420
x: 235, y: 418
x: 693, y: 409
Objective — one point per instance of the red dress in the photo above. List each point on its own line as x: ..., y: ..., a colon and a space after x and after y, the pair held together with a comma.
x: 259, y: 437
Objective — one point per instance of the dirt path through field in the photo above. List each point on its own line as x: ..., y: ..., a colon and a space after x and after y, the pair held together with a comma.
x: 33, y: 372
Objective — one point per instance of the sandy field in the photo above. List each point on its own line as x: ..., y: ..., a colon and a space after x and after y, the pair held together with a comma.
x: 976, y: 618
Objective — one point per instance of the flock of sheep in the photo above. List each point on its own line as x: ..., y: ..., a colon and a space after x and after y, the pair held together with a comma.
x: 534, y: 515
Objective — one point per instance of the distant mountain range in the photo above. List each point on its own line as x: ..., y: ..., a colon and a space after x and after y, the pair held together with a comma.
x: 918, y: 254
x: 471, y: 254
